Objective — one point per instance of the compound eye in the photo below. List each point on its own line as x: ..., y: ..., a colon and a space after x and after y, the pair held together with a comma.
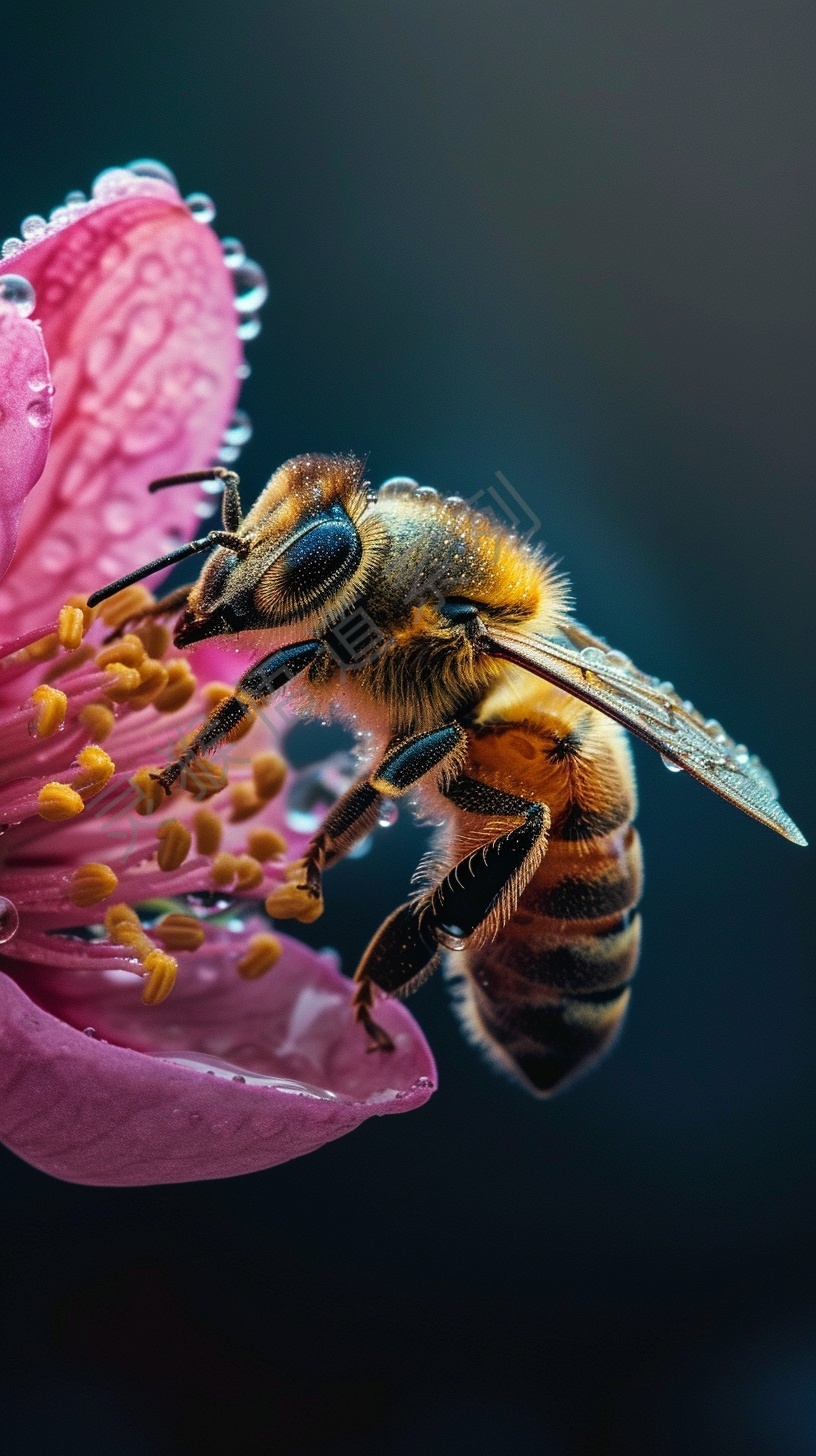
x: 310, y: 571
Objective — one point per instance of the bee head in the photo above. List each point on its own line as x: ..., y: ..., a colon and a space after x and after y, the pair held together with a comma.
x: 311, y: 550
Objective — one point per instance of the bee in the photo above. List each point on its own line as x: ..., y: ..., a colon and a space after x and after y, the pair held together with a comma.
x: 483, y: 701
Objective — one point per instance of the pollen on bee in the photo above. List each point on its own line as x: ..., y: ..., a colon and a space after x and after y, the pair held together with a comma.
x: 263, y: 952
x: 265, y: 844
x: 57, y: 802
x: 98, y: 720
x: 179, y: 932
x: 96, y: 768
x: 175, y: 841
x: 208, y: 830
x: 179, y: 688
x: 127, y: 603
x: 70, y: 627
x: 161, y: 970
x: 268, y: 774
x: 244, y: 802
x: 52, y: 705
x: 92, y: 883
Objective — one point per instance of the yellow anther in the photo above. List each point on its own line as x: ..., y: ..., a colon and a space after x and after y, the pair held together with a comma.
x: 265, y: 844
x: 155, y: 638
x: 162, y: 970
x: 244, y: 801
x: 208, y: 830
x: 294, y: 902
x: 224, y: 868
x: 154, y: 679
x: 129, y: 650
x: 52, y: 705
x: 149, y: 793
x: 70, y: 627
x: 92, y: 883
x: 268, y: 773
x: 96, y: 768
x: 214, y: 693
x: 202, y: 778
x: 88, y: 613
x: 98, y: 720
x: 175, y: 840
x: 261, y: 955
x: 56, y: 802
x: 250, y: 873
x: 69, y: 662
x: 118, y: 917
x: 181, y: 684
x: 43, y: 648
x: 127, y: 603
x: 122, y: 682
x: 179, y: 932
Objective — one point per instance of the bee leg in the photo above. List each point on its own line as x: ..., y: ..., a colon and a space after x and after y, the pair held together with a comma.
x: 253, y: 689
x: 355, y: 813
x: 477, y: 895
x: 164, y: 607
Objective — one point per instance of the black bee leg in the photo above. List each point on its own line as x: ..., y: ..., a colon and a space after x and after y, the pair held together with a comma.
x: 165, y: 607
x: 471, y: 901
x: 251, y: 691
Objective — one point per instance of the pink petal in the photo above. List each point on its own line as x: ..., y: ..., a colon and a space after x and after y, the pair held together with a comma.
x: 25, y: 420
x: 137, y: 311
x: 95, y: 1112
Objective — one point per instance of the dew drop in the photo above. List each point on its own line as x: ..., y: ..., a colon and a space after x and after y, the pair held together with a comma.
x: 9, y: 920
x: 619, y: 660
x: 111, y: 183
x: 670, y: 764
x: 427, y: 493
x: 239, y: 429
x: 39, y: 413
x: 233, y: 251
x: 149, y: 167
x: 389, y: 814
x: 239, y: 1079
x: 59, y: 216
x: 33, y: 226
x: 90, y: 1031
x: 593, y: 655
x: 202, y: 207
x: 10, y: 247
x: 398, y: 485
x: 228, y: 454
x: 249, y: 328
x: 19, y: 293
x: 243, y: 371
x: 204, y: 509
x: 251, y: 288
x: 75, y: 198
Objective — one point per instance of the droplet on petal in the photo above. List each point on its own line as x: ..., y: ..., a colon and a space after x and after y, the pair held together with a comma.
x: 201, y: 206
x: 39, y: 413
x: 239, y: 429
x: 249, y: 328
x: 33, y: 227
x: 18, y: 292
x: 9, y: 920
x: 251, y: 287
x: 234, y: 252
x: 389, y: 814
x: 149, y: 167
x: 10, y: 247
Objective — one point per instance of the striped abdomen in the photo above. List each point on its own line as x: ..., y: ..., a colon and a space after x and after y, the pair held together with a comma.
x: 547, y: 996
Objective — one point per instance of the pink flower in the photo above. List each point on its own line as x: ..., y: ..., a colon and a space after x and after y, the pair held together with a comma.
x: 227, y: 1068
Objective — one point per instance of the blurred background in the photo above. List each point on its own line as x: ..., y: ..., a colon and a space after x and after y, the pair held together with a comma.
x: 573, y: 242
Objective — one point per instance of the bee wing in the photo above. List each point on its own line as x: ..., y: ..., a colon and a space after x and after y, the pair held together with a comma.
x: 587, y: 668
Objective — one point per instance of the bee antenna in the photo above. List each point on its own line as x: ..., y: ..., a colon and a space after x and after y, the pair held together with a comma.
x: 190, y: 477
x: 193, y: 548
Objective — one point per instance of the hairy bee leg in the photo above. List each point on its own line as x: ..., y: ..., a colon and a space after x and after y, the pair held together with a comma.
x: 355, y: 813
x: 252, y: 690
x: 482, y: 888
x: 164, y: 607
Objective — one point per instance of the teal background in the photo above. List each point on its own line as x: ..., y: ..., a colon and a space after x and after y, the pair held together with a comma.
x: 571, y: 242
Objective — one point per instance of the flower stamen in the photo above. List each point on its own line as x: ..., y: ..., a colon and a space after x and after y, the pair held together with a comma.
x: 52, y: 706
x: 261, y: 955
x: 92, y: 883
x: 175, y: 841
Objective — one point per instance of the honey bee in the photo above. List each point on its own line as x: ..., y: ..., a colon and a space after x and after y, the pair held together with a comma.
x: 491, y: 708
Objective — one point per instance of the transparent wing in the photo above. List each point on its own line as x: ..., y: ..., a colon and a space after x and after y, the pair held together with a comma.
x: 586, y: 667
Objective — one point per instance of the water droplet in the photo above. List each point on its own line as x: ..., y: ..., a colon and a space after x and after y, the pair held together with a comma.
x: 251, y: 288
x: 398, y: 485
x: 18, y: 292
x: 9, y: 920
x: 59, y: 216
x: 249, y: 328
x: 233, y: 251
x: 670, y: 764
x: 668, y: 690
x: 201, y: 206
x: 149, y: 167
x: 239, y: 429
x: 593, y: 655
x: 111, y: 183
x: 455, y: 500
x: 427, y: 493
x: 451, y: 937
x: 33, y: 226
x: 741, y: 753
x: 243, y: 371
x: 239, y: 1079
x: 228, y: 454
x: 10, y: 247
x: 389, y: 814
x: 90, y: 1031
x: 39, y: 413
x: 619, y: 660
x: 204, y: 509
x: 75, y: 198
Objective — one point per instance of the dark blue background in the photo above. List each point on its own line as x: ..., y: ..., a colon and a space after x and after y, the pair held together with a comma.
x: 573, y: 242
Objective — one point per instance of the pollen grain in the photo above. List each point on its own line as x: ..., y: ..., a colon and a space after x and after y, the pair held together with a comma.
x: 57, y: 802
x: 92, y: 883
x: 52, y: 706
